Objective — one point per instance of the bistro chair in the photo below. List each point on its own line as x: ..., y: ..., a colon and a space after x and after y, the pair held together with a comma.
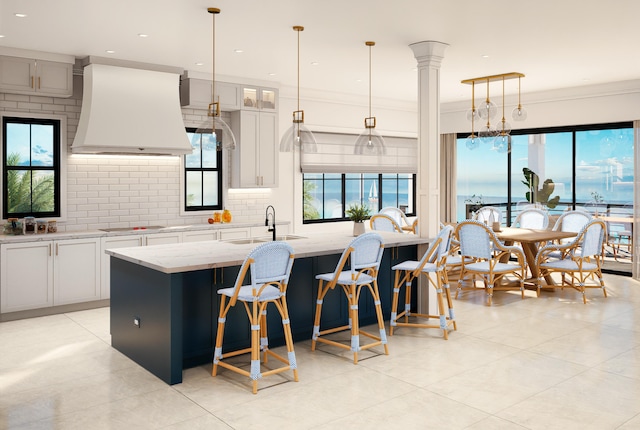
x: 620, y: 229
x: 357, y: 268
x: 399, y: 216
x: 488, y: 215
x: 270, y: 266
x: 433, y: 262
x: 481, y: 253
x: 534, y: 218
x: 580, y: 267
x: 384, y: 222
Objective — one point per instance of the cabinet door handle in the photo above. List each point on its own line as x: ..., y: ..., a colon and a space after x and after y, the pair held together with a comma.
x: 32, y: 82
x: 57, y: 249
x: 38, y: 82
x: 49, y: 250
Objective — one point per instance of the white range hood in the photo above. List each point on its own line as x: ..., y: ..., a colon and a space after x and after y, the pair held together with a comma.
x: 128, y: 108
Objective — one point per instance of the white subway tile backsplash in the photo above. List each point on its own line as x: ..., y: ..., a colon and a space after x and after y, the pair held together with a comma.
x: 112, y: 191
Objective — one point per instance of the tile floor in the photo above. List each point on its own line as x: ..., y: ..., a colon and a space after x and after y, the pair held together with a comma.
x: 538, y: 363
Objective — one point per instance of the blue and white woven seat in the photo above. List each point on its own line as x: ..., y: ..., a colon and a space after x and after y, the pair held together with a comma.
x: 489, y: 260
x: 433, y: 262
x: 383, y: 222
x: 580, y: 267
x: 535, y: 218
x: 270, y: 267
x: 573, y: 221
x: 358, y: 267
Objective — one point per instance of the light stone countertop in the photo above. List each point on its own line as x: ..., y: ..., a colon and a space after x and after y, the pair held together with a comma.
x: 186, y: 257
x: 66, y: 235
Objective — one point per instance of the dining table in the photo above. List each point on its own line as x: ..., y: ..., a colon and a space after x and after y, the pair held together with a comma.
x: 530, y: 239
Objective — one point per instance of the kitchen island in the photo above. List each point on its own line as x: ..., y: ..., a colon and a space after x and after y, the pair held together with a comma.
x: 164, y: 304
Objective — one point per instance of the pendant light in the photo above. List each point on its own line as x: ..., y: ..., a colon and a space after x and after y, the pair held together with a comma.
x: 502, y: 142
x: 472, y: 142
x: 216, y: 125
x: 370, y: 141
x: 519, y: 113
x: 298, y: 135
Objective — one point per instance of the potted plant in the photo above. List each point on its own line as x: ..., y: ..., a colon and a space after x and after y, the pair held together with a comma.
x: 539, y: 195
x: 473, y: 204
x: 358, y: 213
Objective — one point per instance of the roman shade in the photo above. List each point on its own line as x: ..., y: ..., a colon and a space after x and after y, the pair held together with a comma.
x: 335, y: 155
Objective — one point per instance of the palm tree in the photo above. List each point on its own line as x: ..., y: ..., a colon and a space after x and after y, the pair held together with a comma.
x: 26, y: 192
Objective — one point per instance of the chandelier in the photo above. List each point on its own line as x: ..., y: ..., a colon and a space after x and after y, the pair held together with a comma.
x: 497, y: 136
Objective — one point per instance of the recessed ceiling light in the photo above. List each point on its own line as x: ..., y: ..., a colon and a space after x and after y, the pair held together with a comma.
x: 271, y: 74
x: 110, y: 51
x: 20, y: 15
x: 485, y: 56
x: 1, y: 36
x: 199, y: 64
x: 142, y: 35
x: 358, y: 80
x: 315, y: 63
x: 238, y: 51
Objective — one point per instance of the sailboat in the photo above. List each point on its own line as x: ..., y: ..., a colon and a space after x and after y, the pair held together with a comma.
x: 373, y: 195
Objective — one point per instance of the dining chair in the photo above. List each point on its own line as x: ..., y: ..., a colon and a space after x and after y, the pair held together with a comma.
x: 357, y: 268
x: 433, y: 266
x: 481, y: 252
x: 534, y: 218
x: 401, y: 218
x: 270, y: 267
x: 384, y: 222
x: 488, y: 215
x: 620, y: 229
x: 581, y: 262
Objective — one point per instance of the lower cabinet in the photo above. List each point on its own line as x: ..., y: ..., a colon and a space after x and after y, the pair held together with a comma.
x: 113, y: 242
x: 48, y: 273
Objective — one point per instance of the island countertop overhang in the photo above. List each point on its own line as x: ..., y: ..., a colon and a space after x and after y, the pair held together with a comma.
x: 186, y: 257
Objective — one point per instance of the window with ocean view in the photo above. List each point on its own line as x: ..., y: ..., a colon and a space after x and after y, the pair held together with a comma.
x: 327, y: 195
x: 583, y: 166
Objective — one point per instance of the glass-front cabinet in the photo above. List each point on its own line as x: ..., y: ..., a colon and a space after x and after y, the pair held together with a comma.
x: 259, y: 98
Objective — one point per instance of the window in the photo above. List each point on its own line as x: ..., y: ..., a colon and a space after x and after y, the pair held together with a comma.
x: 31, y: 167
x: 327, y: 195
x: 203, y: 171
x: 586, y: 166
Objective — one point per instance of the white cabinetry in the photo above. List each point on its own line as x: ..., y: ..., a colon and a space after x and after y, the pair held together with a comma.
x: 235, y: 233
x: 196, y: 93
x: 76, y: 271
x: 259, y: 98
x: 28, y: 76
x: 162, y: 238
x: 199, y: 235
x: 255, y: 160
x: 47, y: 273
x: 113, y: 242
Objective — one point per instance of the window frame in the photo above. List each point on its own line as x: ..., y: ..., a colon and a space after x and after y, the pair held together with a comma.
x: 220, y: 172
x: 59, y: 150
x: 343, y: 179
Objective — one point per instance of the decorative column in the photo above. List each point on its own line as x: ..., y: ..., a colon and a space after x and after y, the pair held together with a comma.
x: 429, y: 55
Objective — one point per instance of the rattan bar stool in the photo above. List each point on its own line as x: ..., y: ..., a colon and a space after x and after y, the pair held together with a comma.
x: 270, y: 266
x: 363, y: 254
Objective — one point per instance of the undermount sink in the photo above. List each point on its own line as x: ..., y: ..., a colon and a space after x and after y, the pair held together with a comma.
x: 263, y: 239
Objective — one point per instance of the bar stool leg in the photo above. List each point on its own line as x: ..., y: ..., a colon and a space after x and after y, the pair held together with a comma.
x: 264, y: 339
x: 255, y: 346
x: 316, y: 324
x: 352, y: 298
x: 383, y: 334
x: 394, y: 302
x: 288, y: 337
x: 447, y: 290
x: 217, y: 352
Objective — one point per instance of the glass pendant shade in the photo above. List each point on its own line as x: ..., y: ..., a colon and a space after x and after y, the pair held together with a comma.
x: 519, y: 114
x: 502, y: 143
x: 370, y: 142
x: 487, y: 110
x: 223, y: 137
x: 298, y: 136
x: 473, y: 115
x: 503, y: 127
x: 472, y: 142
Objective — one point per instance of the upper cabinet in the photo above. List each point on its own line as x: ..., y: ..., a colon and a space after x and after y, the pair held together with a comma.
x: 35, y: 77
x: 259, y: 98
x: 196, y: 93
x: 255, y: 159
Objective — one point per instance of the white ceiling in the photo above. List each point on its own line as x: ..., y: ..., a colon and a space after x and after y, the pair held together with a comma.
x: 555, y: 43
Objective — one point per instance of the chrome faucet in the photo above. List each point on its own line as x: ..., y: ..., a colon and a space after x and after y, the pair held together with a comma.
x: 273, y: 220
